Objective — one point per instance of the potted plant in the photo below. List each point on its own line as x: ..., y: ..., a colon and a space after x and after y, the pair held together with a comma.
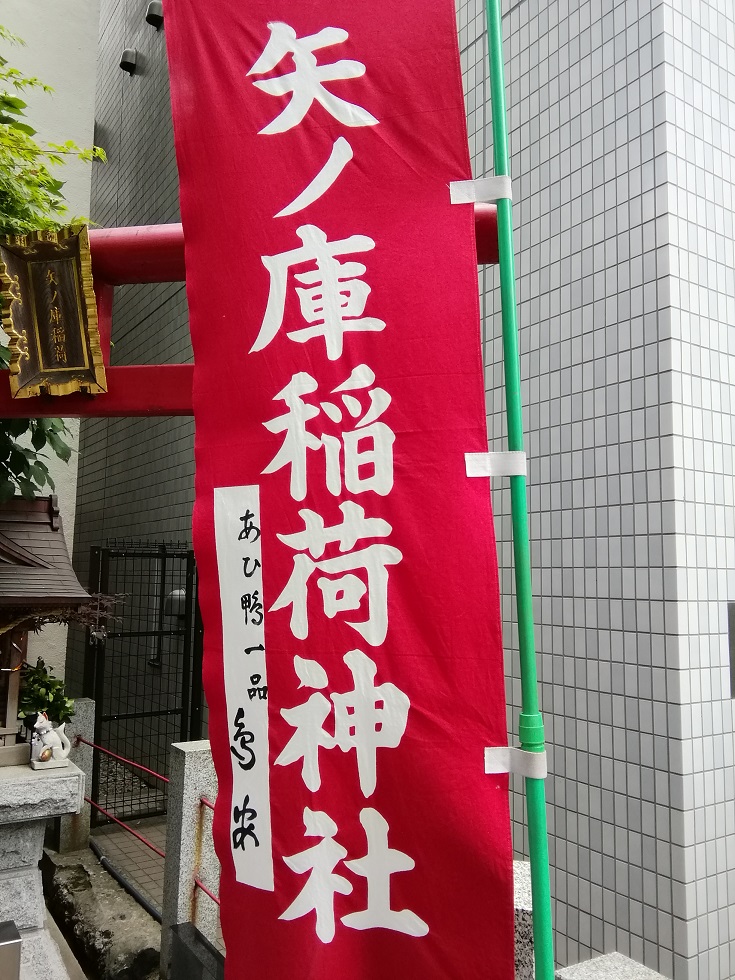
x: 41, y: 692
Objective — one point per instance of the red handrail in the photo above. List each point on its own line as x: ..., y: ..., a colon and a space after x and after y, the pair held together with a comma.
x: 140, y: 837
x: 144, y: 840
x: 200, y: 884
x: 121, y: 758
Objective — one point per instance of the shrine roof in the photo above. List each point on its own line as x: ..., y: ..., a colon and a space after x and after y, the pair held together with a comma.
x: 35, y: 570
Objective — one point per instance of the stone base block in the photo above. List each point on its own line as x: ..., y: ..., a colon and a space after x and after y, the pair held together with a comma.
x: 192, y: 956
x: 612, y: 966
x: 21, y: 898
x: 29, y: 795
x: 21, y: 844
x: 40, y: 958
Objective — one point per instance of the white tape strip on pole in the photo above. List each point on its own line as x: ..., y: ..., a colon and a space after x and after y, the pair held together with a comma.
x: 508, y: 758
x: 496, y: 464
x: 484, y: 190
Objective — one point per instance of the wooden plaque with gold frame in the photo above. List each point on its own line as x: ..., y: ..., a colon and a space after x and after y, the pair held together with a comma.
x: 50, y: 313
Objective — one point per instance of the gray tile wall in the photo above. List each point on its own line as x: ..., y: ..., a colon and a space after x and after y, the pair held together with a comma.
x: 136, y: 476
x: 699, y: 139
x: 620, y: 117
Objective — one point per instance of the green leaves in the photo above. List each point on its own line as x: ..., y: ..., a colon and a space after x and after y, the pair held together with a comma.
x: 17, y: 462
x: 7, y: 35
x: 41, y: 691
x: 12, y: 103
x: 41, y: 475
x: 16, y: 427
x: 38, y: 439
x: 10, y: 108
x: 27, y: 488
x: 22, y: 466
x: 30, y: 194
x: 62, y: 450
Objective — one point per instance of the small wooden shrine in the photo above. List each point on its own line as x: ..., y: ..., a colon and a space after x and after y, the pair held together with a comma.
x: 37, y: 584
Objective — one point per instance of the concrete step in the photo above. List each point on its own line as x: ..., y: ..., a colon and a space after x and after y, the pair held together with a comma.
x: 611, y: 966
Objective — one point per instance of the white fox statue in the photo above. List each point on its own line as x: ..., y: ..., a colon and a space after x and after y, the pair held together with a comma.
x: 50, y: 746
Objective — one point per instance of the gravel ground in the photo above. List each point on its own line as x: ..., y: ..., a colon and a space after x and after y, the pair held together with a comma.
x: 126, y: 793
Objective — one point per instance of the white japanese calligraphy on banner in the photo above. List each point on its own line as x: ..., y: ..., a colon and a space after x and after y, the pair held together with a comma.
x: 239, y: 562
x: 358, y: 457
x: 306, y: 83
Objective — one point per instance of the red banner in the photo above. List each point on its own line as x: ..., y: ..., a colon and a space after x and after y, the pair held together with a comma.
x: 353, y: 661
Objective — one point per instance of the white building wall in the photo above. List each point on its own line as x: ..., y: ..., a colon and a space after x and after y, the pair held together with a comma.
x: 699, y: 112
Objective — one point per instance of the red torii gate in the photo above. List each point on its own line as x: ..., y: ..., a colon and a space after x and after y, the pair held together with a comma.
x: 155, y: 253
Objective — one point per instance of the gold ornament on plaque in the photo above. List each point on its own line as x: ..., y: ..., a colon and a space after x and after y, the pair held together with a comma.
x: 50, y: 313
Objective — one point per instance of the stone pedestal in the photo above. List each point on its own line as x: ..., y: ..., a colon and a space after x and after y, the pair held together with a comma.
x: 27, y: 800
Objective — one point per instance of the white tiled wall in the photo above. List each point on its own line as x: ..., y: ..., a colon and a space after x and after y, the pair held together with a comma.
x: 699, y: 138
x: 622, y: 134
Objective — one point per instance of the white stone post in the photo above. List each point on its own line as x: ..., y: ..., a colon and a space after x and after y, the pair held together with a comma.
x: 189, y: 847
x: 72, y: 832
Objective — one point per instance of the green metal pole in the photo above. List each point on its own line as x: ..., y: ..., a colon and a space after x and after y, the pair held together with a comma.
x: 531, y: 726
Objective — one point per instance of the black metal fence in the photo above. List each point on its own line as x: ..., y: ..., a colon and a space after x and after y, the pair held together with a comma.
x: 143, y: 668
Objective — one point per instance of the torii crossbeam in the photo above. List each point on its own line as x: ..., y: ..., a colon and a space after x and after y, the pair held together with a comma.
x: 155, y: 253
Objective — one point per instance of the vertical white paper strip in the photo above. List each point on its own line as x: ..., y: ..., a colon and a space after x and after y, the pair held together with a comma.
x: 239, y: 557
